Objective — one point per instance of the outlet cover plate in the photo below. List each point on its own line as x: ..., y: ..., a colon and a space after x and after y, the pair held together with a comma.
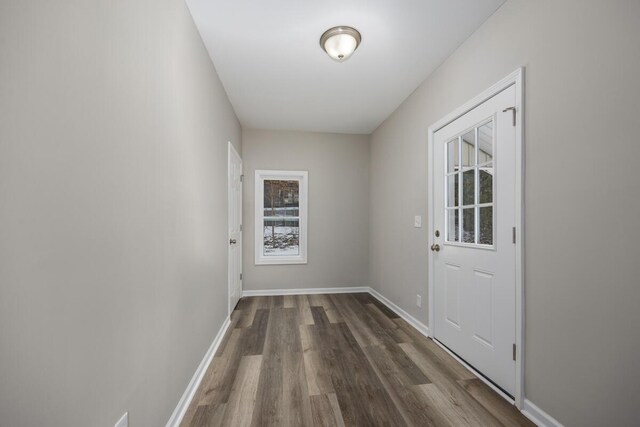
x: 124, y: 421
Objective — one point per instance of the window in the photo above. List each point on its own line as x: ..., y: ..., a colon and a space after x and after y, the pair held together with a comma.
x: 281, y: 217
x: 469, y: 186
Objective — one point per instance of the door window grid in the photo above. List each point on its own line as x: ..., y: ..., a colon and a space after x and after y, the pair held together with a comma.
x: 469, y: 187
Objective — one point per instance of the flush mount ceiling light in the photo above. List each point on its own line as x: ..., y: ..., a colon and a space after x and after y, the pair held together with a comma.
x: 340, y: 42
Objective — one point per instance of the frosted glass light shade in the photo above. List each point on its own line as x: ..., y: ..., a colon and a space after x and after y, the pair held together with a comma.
x: 340, y: 42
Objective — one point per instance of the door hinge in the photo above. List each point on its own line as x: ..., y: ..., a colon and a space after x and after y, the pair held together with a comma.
x: 514, y: 352
x: 240, y: 227
x: 513, y: 110
x: 514, y: 235
x: 240, y: 276
x: 242, y: 178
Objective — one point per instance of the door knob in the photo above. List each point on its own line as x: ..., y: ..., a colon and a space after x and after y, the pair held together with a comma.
x: 435, y: 247
x: 232, y: 241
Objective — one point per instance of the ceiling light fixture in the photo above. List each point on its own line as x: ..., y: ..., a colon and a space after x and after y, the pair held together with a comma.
x: 340, y: 42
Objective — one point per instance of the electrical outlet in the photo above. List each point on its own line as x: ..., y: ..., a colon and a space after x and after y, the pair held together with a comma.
x: 419, y: 301
x: 124, y: 421
x: 417, y: 221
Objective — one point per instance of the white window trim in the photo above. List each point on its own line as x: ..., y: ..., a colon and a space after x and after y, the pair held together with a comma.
x: 303, y: 177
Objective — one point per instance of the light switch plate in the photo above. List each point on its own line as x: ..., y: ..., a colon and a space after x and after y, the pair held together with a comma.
x: 417, y: 222
x: 124, y: 421
x: 419, y: 301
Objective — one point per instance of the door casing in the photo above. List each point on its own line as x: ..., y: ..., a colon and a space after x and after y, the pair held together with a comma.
x: 515, y: 78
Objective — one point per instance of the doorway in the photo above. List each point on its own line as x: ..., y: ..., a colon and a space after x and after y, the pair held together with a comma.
x: 235, y: 227
x: 475, y: 283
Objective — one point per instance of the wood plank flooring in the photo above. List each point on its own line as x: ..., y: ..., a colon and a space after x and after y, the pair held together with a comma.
x: 337, y: 360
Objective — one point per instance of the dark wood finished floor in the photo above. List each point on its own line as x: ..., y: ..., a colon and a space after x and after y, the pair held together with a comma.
x: 337, y: 360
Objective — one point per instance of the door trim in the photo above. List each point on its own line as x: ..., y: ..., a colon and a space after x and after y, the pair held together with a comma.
x: 231, y: 150
x: 516, y: 79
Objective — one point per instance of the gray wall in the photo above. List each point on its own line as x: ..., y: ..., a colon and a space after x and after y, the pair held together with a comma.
x: 582, y: 62
x: 338, y: 235
x: 113, y: 255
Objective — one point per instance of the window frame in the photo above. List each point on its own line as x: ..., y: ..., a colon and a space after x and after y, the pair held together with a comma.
x: 303, y: 178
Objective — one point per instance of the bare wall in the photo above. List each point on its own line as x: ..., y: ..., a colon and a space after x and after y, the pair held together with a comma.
x: 338, y: 235
x: 582, y: 62
x: 113, y: 254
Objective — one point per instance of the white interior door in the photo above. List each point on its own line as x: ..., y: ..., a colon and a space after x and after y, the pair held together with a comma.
x: 235, y: 227
x: 474, y: 252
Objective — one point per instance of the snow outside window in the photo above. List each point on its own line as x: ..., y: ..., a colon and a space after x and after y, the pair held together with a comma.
x: 281, y: 217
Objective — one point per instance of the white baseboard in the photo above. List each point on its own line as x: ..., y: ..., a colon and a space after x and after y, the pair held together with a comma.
x: 185, y: 400
x: 308, y: 291
x: 538, y: 416
x: 420, y: 327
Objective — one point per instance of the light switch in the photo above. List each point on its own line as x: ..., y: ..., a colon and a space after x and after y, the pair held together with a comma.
x: 417, y: 221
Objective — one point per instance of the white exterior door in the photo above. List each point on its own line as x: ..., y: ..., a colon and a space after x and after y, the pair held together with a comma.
x: 474, y: 251
x: 235, y: 227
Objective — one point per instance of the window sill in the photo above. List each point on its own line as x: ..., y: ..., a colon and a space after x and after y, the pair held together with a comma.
x: 280, y: 261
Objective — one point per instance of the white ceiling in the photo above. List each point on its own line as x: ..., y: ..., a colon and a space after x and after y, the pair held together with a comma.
x: 268, y: 56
